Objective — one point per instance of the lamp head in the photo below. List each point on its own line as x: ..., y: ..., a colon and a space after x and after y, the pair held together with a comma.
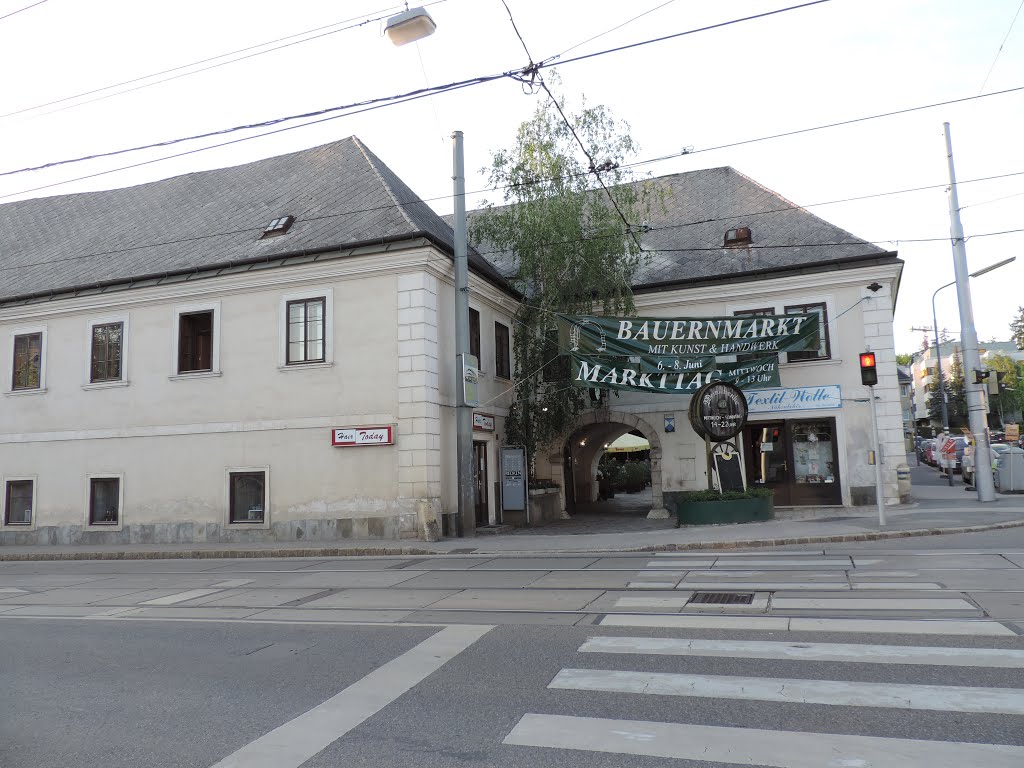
x: 409, y: 26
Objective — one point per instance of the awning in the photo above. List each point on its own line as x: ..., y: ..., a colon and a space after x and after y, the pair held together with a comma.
x: 628, y: 444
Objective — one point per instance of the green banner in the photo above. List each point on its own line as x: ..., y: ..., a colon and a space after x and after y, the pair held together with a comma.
x: 644, y: 374
x: 685, y: 338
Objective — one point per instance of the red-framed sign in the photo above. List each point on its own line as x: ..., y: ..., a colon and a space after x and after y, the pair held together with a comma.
x: 344, y: 437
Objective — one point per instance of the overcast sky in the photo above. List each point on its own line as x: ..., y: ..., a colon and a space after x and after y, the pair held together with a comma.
x: 831, y: 62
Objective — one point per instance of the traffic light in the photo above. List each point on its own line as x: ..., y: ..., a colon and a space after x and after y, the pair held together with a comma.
x: 995, y: 383
x: 868, y: 372
x: 980, y: 376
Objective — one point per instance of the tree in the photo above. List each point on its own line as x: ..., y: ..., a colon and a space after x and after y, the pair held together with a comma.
x: 1011, y: 394
x: 933, y: 404
x: 904, y: 360
x: 1017, y: 328
x: 575, y: 243
x: 957, y: 403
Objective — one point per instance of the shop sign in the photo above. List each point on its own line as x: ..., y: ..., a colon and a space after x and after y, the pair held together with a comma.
x: 483, y: 422
x: 344, y: 437
x: 793, y: 398
x: 666, y: 340
x: 679, y: 376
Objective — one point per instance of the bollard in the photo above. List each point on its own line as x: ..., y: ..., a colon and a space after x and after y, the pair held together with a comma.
x: 903, y: 482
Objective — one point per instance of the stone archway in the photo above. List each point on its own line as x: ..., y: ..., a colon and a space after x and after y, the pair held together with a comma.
x: 615, y: 423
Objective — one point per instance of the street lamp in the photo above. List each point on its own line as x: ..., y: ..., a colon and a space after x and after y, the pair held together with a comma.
x: 935, y: 327
x: 410, y: 26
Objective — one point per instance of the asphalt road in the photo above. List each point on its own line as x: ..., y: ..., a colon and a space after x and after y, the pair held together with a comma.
x: 846, y: 657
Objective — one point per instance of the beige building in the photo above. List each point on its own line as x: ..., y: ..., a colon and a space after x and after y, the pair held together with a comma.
x: 266, y: 352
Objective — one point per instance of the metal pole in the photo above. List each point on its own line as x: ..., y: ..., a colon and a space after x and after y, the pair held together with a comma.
x: 938, y: 357
x: 969, y: 339
x: 879, y: 490
x: 465, y: 521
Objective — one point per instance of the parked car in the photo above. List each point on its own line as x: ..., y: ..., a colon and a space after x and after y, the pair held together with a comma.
x: 968, y: 459
x: 928, y: 452
x: 952, y: 461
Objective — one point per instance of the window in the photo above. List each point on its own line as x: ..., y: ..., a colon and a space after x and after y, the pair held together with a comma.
x: 502, y: 352
x: 764, y: 312
x: 104, y: 500
x: 247, y: 495
x: 18, y: 502
x: 738, y: 236
x: 821, y: 350
x: 305, y: 343
x: 105, y: 357
x: 195, y: 342
x: 557, y: 367
x: 474, y: 337
x: 278, y: 227
x: 28, y: 361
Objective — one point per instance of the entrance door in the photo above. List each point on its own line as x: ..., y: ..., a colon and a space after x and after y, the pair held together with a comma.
x: 480, y: 483
x: 768, y: 459
x: 815, y: 473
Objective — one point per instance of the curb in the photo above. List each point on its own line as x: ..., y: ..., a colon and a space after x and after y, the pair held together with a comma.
x: 223, y: 554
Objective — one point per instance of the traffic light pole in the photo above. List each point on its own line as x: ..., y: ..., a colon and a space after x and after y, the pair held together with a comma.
x: 879, y: 490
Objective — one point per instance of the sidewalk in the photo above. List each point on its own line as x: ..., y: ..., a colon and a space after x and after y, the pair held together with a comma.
x: 938, y: 511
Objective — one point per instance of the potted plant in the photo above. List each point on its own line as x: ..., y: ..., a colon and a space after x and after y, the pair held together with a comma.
x: 715, y: 508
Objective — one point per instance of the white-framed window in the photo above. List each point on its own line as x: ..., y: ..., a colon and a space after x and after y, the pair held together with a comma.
x: 823, y: 348
x: 26, y: 358
x: 104, y: 500
x: 107, y: 352
x: 306, y: 330
x: 195, y: 341
x: 247, y: 497
x: 19, y: 500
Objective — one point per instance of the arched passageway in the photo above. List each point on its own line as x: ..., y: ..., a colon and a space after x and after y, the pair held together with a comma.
x: 574, y: 464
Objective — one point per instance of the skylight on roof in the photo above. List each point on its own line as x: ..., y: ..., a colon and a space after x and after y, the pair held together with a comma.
x: 278, y: 227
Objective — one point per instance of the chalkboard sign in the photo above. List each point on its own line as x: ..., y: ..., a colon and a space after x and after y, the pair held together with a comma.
x: 730, y: 472
x: 513, y: 478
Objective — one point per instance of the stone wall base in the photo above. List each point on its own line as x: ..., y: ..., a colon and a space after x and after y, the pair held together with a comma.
x: 407, y: 525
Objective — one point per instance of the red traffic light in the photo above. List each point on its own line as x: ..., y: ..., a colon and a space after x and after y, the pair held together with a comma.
x: 868, y: 373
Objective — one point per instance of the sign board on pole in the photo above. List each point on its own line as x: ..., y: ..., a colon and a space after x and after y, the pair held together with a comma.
x: 470, y: 379
x: 1013, y: 432
x: 513, y: 478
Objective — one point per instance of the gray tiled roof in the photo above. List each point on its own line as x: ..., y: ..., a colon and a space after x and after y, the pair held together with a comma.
x: 341, y: 194
x: 687, y: 236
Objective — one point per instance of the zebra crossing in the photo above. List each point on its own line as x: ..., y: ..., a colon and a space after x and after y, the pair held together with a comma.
x: 928, y: 678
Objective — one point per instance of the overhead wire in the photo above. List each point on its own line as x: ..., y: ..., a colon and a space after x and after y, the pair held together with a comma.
x: 608, y: 31
x: 1005, y: 38
x: 14, y: 13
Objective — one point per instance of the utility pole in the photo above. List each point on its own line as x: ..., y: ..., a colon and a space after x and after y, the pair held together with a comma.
x: 969, y: 340
x: 463, y: 411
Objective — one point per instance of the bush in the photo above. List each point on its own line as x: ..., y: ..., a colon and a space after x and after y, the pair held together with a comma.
x: 750, y: 493
x: 635, y: 476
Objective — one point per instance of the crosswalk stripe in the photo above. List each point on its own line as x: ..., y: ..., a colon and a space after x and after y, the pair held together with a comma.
x: 680, y: 563
x: 872, y: 604
x: 751, y: 746
x: 179, y: 597
x: 974, y: 627
x: 653, y: 602
x: 1001, y: 658
x: 761, y: 562
x: 651, y: 585
x: 915, y: 585
x: 936, y: 698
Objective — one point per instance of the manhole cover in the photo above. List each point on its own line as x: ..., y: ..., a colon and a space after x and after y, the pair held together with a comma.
x: 723, y: 598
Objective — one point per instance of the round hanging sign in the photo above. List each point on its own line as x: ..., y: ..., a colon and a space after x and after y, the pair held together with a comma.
x: 721, y: 410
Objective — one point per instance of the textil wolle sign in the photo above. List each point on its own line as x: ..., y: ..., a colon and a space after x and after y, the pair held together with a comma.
x: 683, y: 338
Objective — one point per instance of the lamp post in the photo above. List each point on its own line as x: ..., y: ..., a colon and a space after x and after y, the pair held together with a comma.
x: 935, y: 327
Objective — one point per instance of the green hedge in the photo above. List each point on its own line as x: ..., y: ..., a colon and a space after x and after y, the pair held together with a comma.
x: 751, y: 493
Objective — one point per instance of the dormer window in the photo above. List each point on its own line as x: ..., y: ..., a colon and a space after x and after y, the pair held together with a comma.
x: 278, y: 227
x: 738, y: 236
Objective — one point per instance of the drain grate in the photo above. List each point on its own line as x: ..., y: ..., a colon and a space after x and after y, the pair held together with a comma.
x: 723, y: 598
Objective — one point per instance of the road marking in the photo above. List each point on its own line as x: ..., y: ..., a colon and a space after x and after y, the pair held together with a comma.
x: 873, y: 604
x: 295, y: 742
x: 978, y: 628
x: 822, y: 586
x: 1001, y: 658
x: 232, y: 583
x: 751, y: 746
x: 652, y: 602
x: 13, y: 590
x: 114, y: 612
x: 180, y: 597
x: 935, y: 698
x: 822, y: 562
x: 680, y: 563
x: 912, y: 585
x: 651, y: 585
x: 677, y: 575
x: 679, y: 621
